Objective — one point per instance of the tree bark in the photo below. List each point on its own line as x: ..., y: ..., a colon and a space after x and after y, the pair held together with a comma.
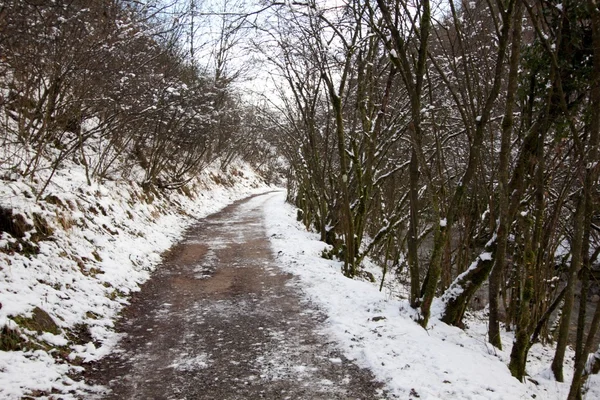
x: 591, y: 177
x: 503, y: 196
x: 575, y: 389
x: 464, y: 286
x: 459, y: 192
x: 413, y: 79
x: 413, y: 240
x: 518, y: 354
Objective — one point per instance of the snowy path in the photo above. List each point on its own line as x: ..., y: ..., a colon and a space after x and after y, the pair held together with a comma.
x: 218, y: 320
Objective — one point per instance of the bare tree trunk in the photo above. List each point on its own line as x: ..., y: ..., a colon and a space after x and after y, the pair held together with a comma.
x: 413, y: 80
x: 518, y: 354
x: 532, y: 261
x: 503, y: 195
x: 335, y: 97
x: 468, y: 282
x: 565, y: 317
x: 472, y: 166
x: 575, y: 389
x: 412, y: 240
x: 591, y: 177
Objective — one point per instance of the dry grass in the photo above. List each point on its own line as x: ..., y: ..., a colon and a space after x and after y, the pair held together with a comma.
x: 65, y: 221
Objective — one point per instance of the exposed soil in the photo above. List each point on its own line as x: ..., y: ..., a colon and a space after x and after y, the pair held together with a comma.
x: 219, y: 320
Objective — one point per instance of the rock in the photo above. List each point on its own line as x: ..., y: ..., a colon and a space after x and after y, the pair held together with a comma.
x: 14, y: 224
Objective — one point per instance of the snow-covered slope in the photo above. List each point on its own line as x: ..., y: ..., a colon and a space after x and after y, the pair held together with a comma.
x: 74, y: 257
x: 378, y: 331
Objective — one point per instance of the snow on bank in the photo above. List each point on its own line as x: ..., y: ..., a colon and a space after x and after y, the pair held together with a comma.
x: 376, y: 329
x: 102, y: 242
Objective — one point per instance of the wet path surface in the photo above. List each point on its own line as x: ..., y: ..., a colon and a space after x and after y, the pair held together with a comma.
x: 218, y: 320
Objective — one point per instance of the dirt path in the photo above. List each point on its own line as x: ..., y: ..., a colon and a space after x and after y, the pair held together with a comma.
x: 218, y: 321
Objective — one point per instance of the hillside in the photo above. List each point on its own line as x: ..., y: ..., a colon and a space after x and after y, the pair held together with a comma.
x: 379, y: 330
x: 69, y: 262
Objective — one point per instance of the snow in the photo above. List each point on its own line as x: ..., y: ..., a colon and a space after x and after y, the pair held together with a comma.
x: 97, y: 258
x: 106, y: 241
x: 485, y: 214
x: 187, y: 363
x: 438, y: 363
x: 443, y: 222
x: 32, y: 370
